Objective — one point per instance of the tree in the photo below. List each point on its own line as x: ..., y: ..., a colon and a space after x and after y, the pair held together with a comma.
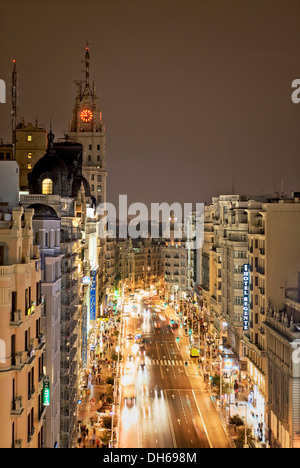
x: 215, y: 383
x: 114, y: 356
x: 236, y: 420
x: 106, y: 422
x: 109, y: 381
x: 105, y: 437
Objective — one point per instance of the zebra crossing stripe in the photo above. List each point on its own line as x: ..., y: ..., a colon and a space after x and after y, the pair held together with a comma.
x: 162, y: 362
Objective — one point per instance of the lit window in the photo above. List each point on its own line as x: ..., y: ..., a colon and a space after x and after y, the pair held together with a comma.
x: 29, y: 137
x: 47, y: 187
x: 29, y: 166
x: 99, y: 188
x: 29, y: 155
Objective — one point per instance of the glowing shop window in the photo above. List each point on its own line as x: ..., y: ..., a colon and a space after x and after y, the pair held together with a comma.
x: 47, y: 187
x: 29, y: 137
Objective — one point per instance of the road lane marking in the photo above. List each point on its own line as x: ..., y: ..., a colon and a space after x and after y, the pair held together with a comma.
x: 170, y: 419
x: 210, y: 444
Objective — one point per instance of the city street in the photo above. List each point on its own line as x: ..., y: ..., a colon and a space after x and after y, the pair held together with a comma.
x: 172, y: 407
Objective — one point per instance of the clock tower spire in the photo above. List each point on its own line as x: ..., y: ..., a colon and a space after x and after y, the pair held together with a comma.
x: 87, y: 128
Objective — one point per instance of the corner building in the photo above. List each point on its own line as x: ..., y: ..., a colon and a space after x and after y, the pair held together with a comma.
x: 21, y: 339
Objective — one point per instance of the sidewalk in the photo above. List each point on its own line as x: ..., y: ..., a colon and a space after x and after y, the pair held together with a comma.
x: 95, y: 393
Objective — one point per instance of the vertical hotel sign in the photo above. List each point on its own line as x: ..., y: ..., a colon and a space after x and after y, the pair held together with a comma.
x: 84, y: 337
x: 246, y: 282
x: 93, y: 296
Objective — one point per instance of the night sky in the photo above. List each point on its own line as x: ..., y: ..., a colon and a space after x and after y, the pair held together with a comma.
x: 195, y: 94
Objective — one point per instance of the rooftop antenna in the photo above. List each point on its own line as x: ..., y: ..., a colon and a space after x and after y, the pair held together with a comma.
x: 14, y: 107
x: 87, y: 64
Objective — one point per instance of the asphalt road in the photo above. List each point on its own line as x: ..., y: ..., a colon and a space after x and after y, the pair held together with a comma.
x: 173, y: 408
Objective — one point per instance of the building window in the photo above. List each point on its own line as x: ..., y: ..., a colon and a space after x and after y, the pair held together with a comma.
x: 93, y: 187
x: 29, y: 166
x: 98, y: 157
x: 29, y: 137
x: 90, y: 147
x: 29, y: 155
x: 99, y: 198
x: 92, y: 176
x: 98, y: 147
x: 99, y: 178
x: 47, y: 187
x: 89, y: 157
x: 99, y: 188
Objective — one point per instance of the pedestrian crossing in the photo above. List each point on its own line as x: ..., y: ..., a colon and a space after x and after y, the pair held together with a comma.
x: 167, y: 362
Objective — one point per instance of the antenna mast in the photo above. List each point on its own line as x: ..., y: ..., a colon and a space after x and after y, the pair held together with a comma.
x: 14, y: 107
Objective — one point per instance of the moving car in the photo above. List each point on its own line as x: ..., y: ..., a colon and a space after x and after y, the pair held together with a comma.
x: 129, y: 396
x: 142, y: 362
x: 158, y: 392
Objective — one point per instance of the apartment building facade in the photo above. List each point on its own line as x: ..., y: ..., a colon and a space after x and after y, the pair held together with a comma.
x: 22, y: 339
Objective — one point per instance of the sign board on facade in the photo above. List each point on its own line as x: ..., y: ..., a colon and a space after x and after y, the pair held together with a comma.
x: 246, y: 287
x: 93, y: 296
x: 46, y: 391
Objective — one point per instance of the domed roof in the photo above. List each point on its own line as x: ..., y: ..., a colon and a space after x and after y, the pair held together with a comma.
x: 43, y: 211
x: 50, y: 163
x: 49, y: 166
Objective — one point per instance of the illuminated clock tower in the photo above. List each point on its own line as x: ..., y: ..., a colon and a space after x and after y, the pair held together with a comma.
x: 87, y: 128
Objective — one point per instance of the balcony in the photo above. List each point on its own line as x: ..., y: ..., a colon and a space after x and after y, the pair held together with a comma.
x: 17, y: 407
x: 16, y: 319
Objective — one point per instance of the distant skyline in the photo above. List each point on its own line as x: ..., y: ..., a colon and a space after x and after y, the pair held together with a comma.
x: 195, y: 95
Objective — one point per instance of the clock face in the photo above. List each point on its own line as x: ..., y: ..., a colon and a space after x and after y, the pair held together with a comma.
x: 86, y: 115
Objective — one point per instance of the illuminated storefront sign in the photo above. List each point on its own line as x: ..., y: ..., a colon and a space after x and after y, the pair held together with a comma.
x: 93, y: 296
x: 46, y: 391
x: 246, y: 282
